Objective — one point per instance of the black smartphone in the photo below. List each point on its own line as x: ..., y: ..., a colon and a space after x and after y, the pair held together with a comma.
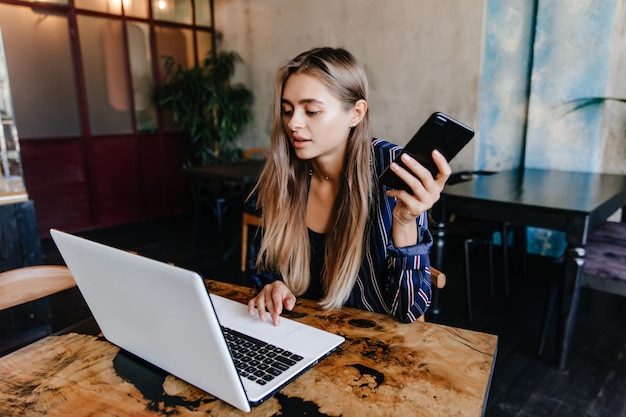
x: 440, y: 132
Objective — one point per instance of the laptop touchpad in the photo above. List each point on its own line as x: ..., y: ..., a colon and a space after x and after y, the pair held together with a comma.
x: 266, y: 330
x: 235, y: 316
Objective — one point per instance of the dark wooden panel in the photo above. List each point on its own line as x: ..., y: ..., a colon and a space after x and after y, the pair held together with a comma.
x: 56, y: 180
x: 137, y: 178
x: 114, y: 182
x: 125, y: 179
x: 152, y: 176
x: 175, y: 183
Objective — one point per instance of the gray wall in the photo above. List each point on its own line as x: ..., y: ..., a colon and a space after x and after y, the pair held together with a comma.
x: 477, y: 60
x: 579, y: 52
x: 420, y: 55
x: 505, y: 67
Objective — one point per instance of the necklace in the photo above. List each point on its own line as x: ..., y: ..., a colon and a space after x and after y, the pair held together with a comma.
x: 327, y: 178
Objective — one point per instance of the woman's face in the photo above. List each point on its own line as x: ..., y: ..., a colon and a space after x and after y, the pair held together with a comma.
x: 314, y: 119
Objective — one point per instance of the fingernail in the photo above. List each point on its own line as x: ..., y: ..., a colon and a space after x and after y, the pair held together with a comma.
x: 406, y: 157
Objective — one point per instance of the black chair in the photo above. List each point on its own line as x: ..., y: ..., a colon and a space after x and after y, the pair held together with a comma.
x: 217, y: 196
x: 20, y: 247
x: 604, y: 269
x: 482, y: 233
x: 251, y: 216
x: 19, y: 236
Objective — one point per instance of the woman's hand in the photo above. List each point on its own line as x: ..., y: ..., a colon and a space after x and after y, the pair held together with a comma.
x: 273, y: 297
x: 426, y: 191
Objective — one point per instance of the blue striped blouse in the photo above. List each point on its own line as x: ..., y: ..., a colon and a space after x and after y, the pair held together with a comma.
x: 393, y: 281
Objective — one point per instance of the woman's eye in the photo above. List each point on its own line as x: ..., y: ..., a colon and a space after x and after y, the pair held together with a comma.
x: 312, y: 112
x: 287, y: 112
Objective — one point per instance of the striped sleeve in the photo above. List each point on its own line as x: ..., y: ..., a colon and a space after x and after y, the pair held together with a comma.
x: 395, y: 281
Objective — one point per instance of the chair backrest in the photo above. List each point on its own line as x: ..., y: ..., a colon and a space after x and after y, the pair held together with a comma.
x: 462, y: 176
x: 19, y: 240
x: 21, y: 285
x: 437, y: 278
x: 605, y: 260
x: 255, y: 154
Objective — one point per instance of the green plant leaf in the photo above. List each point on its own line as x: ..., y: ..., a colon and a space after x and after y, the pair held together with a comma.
x: 209, y: 110
x: 580, y: 103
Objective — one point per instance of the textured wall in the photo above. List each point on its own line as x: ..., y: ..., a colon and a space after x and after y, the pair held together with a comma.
x: 614, y: 121
x: 578, y: 52
x: 470, y: 59
x: 420, y: 56
x: 505, y: 82
x: 573, y: 48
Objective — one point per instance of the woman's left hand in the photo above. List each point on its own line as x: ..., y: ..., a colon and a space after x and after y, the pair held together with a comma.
x: 426, y: 191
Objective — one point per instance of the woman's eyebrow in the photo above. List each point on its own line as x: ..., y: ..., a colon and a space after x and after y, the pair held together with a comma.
x: 303, y: 101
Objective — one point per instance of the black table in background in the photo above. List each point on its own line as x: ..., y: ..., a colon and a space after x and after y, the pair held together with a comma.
x: 218, y: 186
x: 574, y: 203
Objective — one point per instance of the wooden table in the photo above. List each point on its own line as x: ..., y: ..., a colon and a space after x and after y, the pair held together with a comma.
x: 384, y: 368
x: 571, y: 202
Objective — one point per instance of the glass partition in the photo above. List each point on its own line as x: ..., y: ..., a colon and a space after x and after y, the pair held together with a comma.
x: 178, y: 11
x: 141, y: 73
x: 104, y: 63
x: 11, y: 180
x: 203, y: 12
x: 205, y: 44
x: 37, y: 46
x: 136, y: 8
x: 59, y: 2
x: 104, y: 6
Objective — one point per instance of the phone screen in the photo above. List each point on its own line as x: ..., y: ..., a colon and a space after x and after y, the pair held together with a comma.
x: 440, y: 132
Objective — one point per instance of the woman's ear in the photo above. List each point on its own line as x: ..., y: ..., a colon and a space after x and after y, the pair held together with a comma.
x: 360, y: 108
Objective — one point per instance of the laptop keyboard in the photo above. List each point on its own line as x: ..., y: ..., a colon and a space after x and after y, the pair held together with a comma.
x: 256, y: 360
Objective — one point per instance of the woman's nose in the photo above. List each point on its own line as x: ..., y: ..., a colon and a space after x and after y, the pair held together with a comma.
x: 296, y: 121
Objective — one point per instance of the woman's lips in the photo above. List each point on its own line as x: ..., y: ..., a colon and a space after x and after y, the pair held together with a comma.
x: 299, y: 142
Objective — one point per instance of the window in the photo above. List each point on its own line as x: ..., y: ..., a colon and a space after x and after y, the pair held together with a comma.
x: 43, y: 78
x: 94, y: 149
x: 102, y: 83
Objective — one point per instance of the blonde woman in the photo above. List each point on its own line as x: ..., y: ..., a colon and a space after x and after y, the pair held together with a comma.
x: 330, y: 231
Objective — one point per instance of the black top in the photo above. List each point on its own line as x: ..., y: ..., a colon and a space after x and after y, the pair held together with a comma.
x: 317, y: 242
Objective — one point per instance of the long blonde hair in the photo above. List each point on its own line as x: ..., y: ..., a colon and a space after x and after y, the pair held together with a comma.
x: 283, y: 187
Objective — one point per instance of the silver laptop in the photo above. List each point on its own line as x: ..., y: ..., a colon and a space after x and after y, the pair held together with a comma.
x: 164, y: 315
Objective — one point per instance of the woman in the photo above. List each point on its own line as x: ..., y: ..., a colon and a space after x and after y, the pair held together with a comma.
x: 331, y: 231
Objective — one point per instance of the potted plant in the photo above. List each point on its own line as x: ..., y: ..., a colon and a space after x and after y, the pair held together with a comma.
x: 210, y: 110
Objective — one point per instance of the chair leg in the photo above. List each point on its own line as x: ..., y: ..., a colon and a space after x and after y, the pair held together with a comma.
x: 492, y: 284
x: 244, y: 246
x: 219, y: 209
x: 220, y: 227
x: 247, y: 246
x: 522, y: 244
x: 549, y: 311
x: 504, y: 240
x: 194, y: 228
x: 553, y: 306
x: 468, y: 285
x: 468, y: 280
